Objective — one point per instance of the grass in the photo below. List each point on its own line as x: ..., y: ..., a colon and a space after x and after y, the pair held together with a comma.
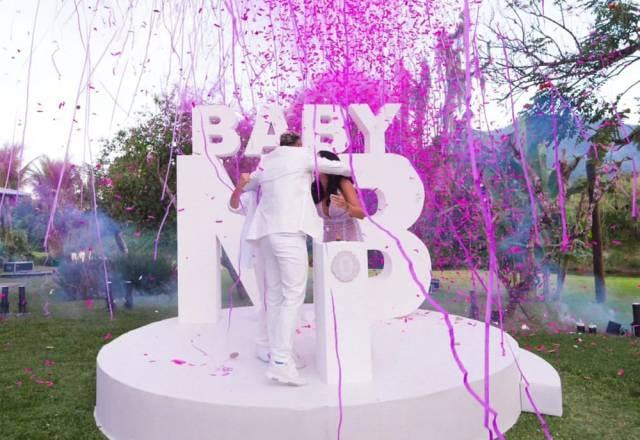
x: 600, y: 374
x: 601, y: 387
x: 577, y: 302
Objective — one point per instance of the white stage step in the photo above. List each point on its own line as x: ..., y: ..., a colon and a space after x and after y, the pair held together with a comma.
x: 544, y: 385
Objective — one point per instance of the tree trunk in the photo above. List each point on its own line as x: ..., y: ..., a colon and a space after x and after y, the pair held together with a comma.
x: 474, y: 310
x: 596, y: 230
x: 516, y: 296
x: 122, y: 244
x: 562, y: 274
x: 598, y: 258
x: 545, y: 281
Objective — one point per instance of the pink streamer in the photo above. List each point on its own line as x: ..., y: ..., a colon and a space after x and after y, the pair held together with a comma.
x: 487, y: 217
x: 560, y: 180
x: 335, y: 336
x: 26, y: 110
x: 437, y: 306
x: 523, y: 158
x: 543, y: 423
x: 634, y: 190
x: 56, y: 197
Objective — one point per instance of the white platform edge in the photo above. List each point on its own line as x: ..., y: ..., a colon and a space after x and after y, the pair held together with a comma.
x: 545, y: 387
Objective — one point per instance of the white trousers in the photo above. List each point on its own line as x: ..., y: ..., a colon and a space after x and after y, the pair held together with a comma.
x: 285, y: 271
x: 262, y: 338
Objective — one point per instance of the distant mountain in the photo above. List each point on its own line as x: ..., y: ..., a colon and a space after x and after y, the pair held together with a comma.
x: 570, y: 147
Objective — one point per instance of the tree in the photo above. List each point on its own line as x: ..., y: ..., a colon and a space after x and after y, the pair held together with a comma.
x: 568, y: 80
x: 12, y: 174
x: 45, y: 178
x: 11, y: 170
x: 135, y: 172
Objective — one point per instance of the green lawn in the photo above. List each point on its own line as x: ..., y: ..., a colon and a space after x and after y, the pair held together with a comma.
x: 601, y: 387
x: 577, y: 302
x: 47, y: 365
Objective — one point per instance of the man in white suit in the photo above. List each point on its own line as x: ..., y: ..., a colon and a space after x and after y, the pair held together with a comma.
x: 245, y: 203
x: 285, y: 215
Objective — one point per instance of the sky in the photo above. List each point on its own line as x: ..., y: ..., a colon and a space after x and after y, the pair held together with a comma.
x: 127, y: 66
x: 92, y: 70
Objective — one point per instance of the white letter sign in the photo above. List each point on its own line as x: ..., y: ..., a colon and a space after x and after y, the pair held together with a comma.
x: 342, y: 285
x: 323, y: 127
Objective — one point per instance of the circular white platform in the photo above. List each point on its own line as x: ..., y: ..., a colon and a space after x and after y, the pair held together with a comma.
x: 169, y: 380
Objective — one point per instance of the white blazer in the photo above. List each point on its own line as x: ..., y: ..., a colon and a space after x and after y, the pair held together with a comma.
x: 284, y: 176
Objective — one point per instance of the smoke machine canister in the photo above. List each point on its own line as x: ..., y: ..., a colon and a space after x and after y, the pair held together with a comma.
x: 635, y: 325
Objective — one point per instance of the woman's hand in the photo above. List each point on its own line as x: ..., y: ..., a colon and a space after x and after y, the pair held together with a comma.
x: 351, y: 200
x: 339, y: 201
x: 244, y: 179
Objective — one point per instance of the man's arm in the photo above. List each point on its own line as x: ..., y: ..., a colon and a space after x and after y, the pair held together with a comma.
x: 327, y: 166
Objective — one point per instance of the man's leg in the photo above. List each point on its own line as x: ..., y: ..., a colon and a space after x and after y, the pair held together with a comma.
x: 290, y: 252
x: 272, y: 286
x: 262, y: 337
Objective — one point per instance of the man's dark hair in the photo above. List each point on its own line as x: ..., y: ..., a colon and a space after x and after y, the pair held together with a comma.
x: 289, y: 138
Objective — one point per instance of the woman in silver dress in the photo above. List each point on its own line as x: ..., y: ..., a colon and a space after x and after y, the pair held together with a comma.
x: 338, y: 205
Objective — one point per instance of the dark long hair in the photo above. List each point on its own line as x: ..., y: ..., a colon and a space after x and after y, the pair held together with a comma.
x: 321, y: 194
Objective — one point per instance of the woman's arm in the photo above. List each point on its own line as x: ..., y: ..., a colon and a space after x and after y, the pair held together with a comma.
x: 353, y: 206
x: 234, y: 202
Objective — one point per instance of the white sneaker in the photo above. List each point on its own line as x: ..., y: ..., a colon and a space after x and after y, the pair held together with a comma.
x: 299, y: 361
x: 285, y: 374
x: 262, y: 353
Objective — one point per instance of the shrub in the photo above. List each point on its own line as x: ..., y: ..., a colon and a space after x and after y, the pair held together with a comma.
x: 81, y: 280
x: 14, y: 244
x: 146, y: 274
x: 41, y: 258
